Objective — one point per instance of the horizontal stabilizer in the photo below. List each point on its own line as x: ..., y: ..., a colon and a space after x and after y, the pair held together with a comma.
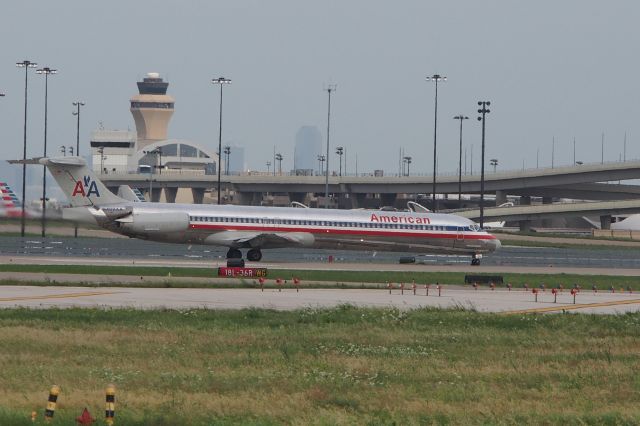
x: 35, y: 160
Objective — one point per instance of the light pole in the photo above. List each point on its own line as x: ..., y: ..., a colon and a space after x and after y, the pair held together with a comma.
x: 461, y: 118
x: 221, y: 81
x: 227, y: 152
x: 436, y: 78
x: 329, y: 89
x: 340, y: 151
x: 494, y: 163
x: 484, y: 111
x: 63, y: 150
x: 407, y: 160
x: 70, y: 149
x: 101, y: 152
x: 26, y: 64
x: 268, y: 166
x: 279, y: 160
x: 77, y: 104
x: 46, y: 71
x: 321, y: 164
x: 158, y: 153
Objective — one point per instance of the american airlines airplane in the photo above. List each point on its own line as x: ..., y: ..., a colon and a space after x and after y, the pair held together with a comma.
x: 11, y: 207
x: 257, y: 228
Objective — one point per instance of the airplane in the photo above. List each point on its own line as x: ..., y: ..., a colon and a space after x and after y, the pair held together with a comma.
x: 498, y: 224
x: 630, y: 223
x: 11, y: 207
x: 257, y: 228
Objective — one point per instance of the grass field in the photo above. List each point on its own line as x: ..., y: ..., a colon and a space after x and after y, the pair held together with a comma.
x: 338, y: 366
x: 326, y: 278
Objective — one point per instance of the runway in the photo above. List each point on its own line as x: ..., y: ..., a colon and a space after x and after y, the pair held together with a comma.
x: 516, y: 302
x: 120, y: 252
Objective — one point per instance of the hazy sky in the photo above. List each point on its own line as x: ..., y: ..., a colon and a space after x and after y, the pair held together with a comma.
x: 550, y: 68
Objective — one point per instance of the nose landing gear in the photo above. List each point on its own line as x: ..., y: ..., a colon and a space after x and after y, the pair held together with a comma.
x: 234, y: 254
x: 475, y: 259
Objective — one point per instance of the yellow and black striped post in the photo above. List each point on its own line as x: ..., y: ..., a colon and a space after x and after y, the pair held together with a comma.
x: 110, y: 406
x: 51, y: 402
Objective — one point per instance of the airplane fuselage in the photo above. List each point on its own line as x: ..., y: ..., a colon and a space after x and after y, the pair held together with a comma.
x: 273, y: 227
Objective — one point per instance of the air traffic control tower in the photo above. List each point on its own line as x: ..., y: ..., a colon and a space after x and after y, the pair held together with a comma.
x: 152, y: 109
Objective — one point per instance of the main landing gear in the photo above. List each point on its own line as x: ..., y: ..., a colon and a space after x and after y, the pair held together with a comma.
x: 253, y: 255
x: 475, y: 259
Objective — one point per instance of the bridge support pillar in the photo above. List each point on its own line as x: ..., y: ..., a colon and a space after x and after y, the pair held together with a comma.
x: 154, y: 197
x: 357, y: 200
x: 170, y: 194
x: 248, y: 198
x: 525, y: 225
x: 388, y: 199
x: 547, y: 223
x: 605, y: 222
x: 198, y: 195
x: 501, y: 197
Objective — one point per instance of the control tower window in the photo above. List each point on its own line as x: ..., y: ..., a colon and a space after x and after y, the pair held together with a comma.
x: 164, y: 105
x: 188, y: 151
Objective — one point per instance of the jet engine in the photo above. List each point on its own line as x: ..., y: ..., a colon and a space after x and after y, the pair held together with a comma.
x: 154, y: 222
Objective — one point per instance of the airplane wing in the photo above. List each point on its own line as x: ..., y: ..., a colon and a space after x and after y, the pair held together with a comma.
x: 262, y: 240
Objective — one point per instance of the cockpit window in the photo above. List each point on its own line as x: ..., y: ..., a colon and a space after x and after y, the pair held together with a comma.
x: 475, y: 227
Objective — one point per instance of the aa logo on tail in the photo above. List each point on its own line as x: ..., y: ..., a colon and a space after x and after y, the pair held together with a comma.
x: 86, y: 187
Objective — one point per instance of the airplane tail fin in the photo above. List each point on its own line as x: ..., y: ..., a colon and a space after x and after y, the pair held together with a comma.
x: 131, y: 194
x: 8, y: 198
x: 77, y: 181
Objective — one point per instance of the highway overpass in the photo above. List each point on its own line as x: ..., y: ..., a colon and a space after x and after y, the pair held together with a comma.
x: 586, y: 181
x: 525, y: 214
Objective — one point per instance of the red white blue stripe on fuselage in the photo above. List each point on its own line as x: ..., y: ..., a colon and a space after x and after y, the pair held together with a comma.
x: 422, y: 237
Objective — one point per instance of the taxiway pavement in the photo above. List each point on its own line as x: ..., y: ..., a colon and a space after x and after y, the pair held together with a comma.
x: 502, y: 301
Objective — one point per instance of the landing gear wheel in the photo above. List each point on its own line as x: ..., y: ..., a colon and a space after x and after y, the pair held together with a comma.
x: 234, y: 254
x: 254, y: 255
x: 475, y: 261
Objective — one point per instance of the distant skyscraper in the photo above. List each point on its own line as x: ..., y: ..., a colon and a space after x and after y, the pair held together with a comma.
x: 152, y: 109
x: 308, y: 147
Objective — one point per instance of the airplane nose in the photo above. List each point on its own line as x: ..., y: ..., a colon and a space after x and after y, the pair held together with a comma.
x: 492, y: 244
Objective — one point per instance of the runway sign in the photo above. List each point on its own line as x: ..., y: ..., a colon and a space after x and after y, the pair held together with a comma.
x: 232, y: 272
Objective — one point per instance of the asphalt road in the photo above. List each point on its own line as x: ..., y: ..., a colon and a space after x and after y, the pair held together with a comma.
x: 612, y: 257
